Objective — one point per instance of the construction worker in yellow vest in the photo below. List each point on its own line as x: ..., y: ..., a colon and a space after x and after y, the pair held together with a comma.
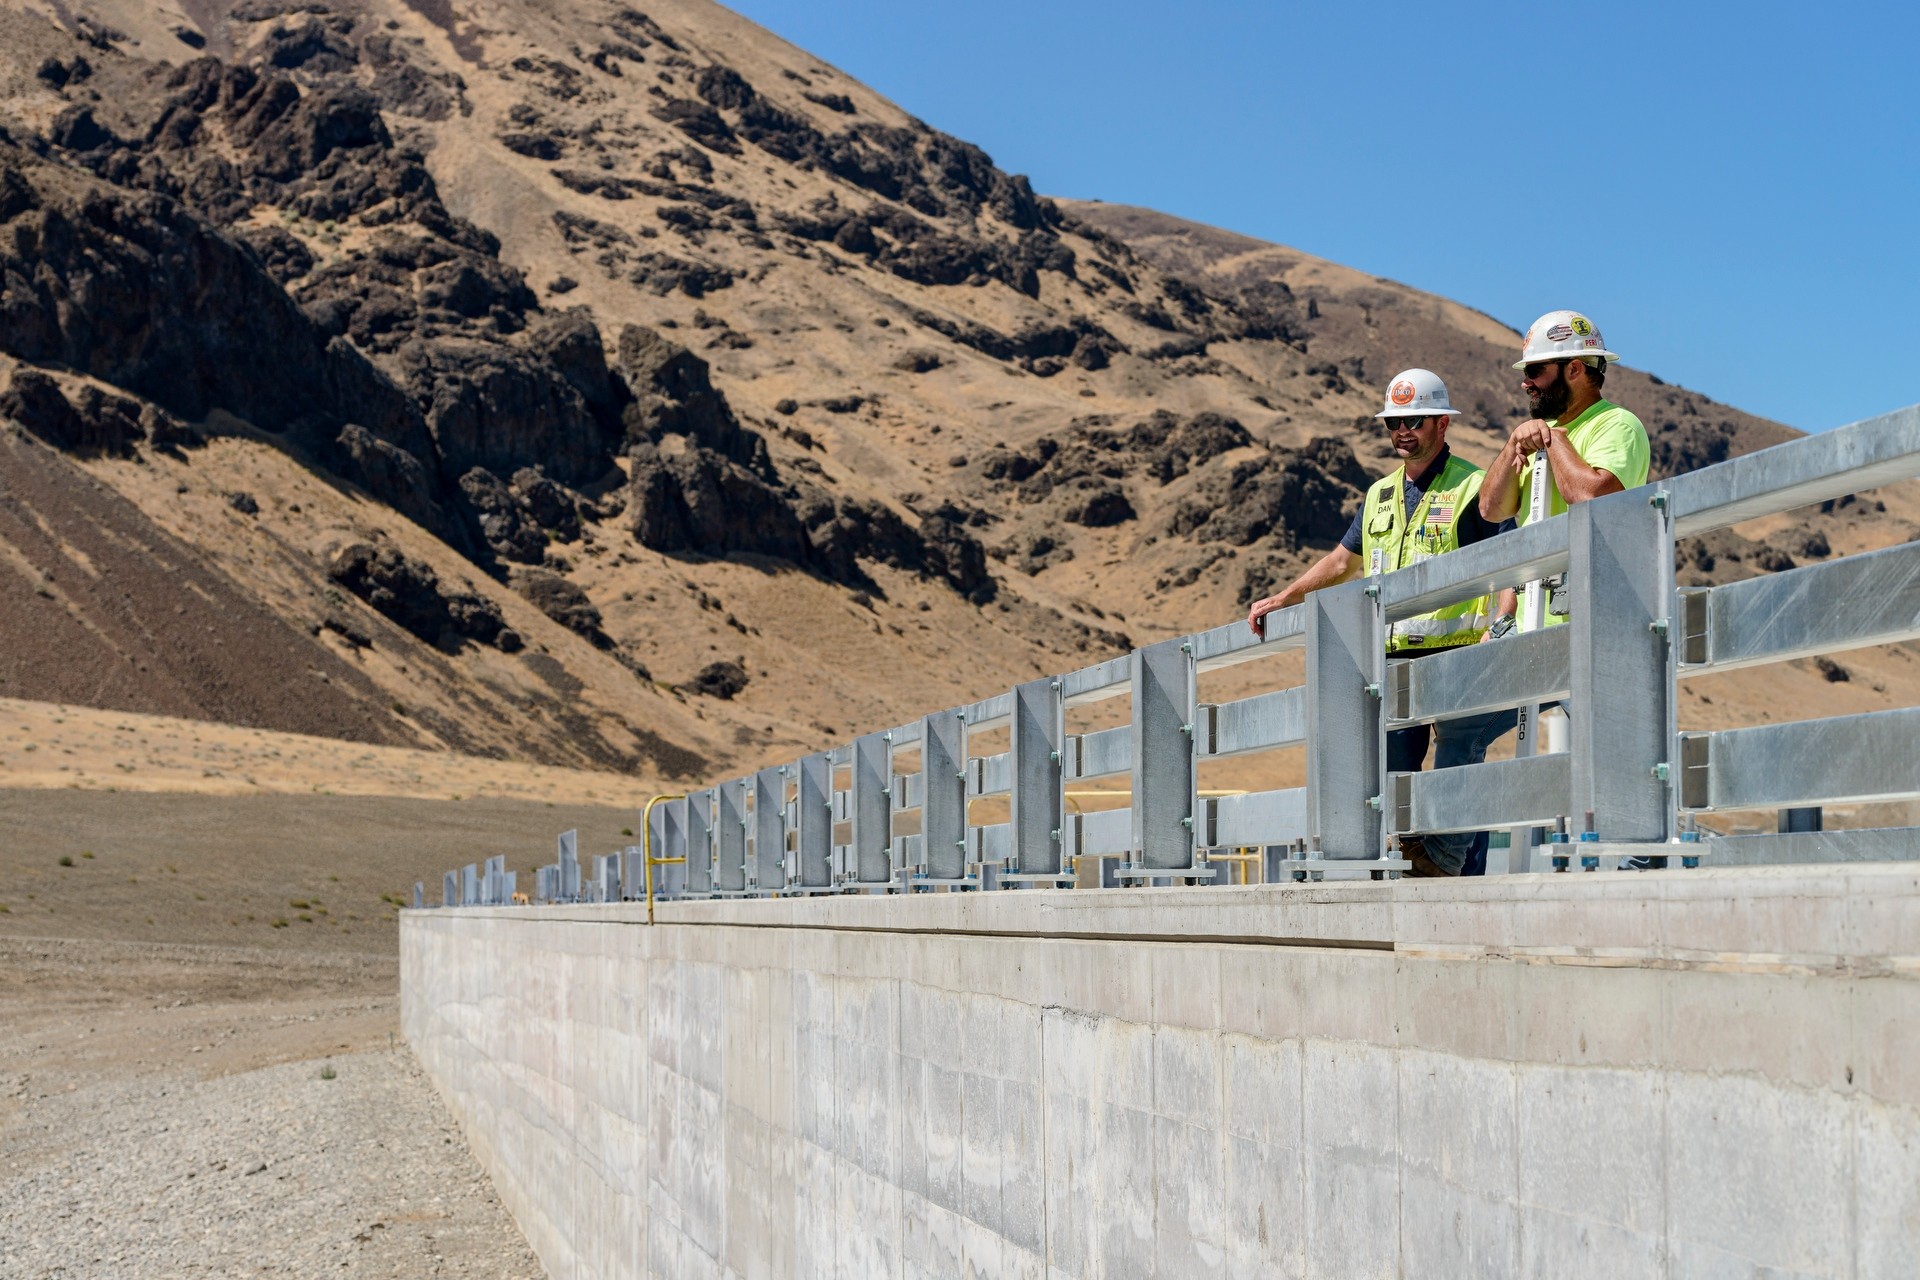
x: 1428, y: 506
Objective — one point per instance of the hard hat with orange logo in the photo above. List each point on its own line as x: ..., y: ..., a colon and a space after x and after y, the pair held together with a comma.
x: 1563, y: 335
x: 1417, y: 393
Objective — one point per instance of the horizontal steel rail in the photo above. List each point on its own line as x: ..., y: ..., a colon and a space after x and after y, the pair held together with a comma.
x: 1477, y: 797
x: 1854, y: 759
x: 891, y: 811
x: 1104, y: 834
x: 1100, y: 755
x: 992, y: 843
x: 1833, y: 464
x: 1882, y: 844
x: 1261, y: 723
x: 1509, y: 561
x: 1258, y: 818
x: 1110, y: 679
x: 1863, y: 600
x: 990, y: 775
x: 989, y: 713
x: 1522, y: 670
x: 1235, y: 643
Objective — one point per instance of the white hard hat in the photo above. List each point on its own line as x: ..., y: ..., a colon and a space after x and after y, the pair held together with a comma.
x: 1563, y: 335
x: 1417, y: 393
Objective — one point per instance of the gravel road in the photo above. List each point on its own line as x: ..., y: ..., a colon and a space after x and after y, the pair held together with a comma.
x: 197, y: 1112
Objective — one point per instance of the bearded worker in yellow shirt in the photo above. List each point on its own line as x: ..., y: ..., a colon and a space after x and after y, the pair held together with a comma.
x: 1593, y: 446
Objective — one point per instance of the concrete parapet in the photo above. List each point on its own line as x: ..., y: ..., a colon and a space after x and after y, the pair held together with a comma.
x: 1703, y: 1073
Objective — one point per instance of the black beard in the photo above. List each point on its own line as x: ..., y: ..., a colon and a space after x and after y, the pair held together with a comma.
x: 1553, y: 401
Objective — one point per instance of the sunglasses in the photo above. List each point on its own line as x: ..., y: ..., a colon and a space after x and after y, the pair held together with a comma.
x: 1410, y: 422
x: 1538, y: 367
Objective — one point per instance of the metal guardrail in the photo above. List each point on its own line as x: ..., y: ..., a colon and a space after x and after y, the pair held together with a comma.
x: 840, y: 820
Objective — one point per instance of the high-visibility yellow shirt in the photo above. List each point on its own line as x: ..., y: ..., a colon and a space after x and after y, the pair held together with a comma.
x: 1605, y: 436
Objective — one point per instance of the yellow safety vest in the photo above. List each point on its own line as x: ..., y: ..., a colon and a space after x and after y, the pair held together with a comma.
x: 1390, y: 541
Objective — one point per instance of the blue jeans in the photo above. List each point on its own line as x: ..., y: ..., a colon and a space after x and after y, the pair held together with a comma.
x: 1462, y: 741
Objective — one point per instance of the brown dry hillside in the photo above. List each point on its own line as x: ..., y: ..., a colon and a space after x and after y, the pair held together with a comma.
x: 620, y: 386
x: 1377, y: 326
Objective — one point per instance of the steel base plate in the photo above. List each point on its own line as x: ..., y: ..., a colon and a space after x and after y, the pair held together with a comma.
x: 1128, y: 871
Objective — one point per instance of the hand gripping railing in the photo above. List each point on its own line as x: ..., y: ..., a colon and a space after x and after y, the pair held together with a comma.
x: 827, y: 822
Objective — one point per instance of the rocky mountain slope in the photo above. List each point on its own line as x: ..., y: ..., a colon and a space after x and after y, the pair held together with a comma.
x: 628, y: 389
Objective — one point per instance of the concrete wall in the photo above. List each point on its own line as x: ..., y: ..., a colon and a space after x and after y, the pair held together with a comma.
x: 1708, y: 1073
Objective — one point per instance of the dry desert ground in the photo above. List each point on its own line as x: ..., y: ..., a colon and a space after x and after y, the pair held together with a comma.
x: 200, y: 1070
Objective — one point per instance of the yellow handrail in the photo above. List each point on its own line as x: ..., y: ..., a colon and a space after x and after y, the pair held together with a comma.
x: 646, y: 846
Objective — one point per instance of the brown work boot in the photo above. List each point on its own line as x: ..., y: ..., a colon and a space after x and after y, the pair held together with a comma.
x: 1414, y: 850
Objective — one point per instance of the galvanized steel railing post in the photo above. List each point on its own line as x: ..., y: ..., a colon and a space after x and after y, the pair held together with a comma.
x: 730, y: 837
x: 1620, y: 548
x: 700, y: 844
x: 813, y: 804
x: 1345, y: 736
x: 669, y: 877
x: 1037, y: 799
x: 768, y: 870
x: 567, y: 866
x: 870, y: 810
x: 943, y: 795
x: 1163, y: 761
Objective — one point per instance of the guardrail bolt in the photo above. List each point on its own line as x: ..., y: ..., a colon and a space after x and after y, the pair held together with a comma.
x: 1373, y: 691
x: 1187, y: 729
x: 1054, y: 685
x: 1055, y: 834
x: 885, y: 737
x: 1659, y: 626
x: 1657, y: 499
x: 1375, y: 803
x: 1660, y: 771
x: 1373, y: 591
x: 1187, y: 822
x: 1186, y: 646
x: 1054, y: 756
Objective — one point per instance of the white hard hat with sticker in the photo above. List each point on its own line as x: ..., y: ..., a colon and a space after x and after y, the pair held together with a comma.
x: 1563, y: 335
x: 1416, y: 393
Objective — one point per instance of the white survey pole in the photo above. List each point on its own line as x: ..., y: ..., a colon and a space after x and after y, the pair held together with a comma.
x: 1533, y: 616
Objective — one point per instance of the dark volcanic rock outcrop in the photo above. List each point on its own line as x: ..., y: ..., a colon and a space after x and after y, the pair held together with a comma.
x: 701, y: 482
x: 721, y: 680
x: 408, y: 593
x: 137, y: 291
x: 403, y: 363
x: 564, y: 602
x: 1286, y: 497
x: 99, y: 423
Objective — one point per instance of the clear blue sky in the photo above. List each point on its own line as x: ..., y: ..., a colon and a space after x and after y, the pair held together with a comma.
x: 1731, y: 192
